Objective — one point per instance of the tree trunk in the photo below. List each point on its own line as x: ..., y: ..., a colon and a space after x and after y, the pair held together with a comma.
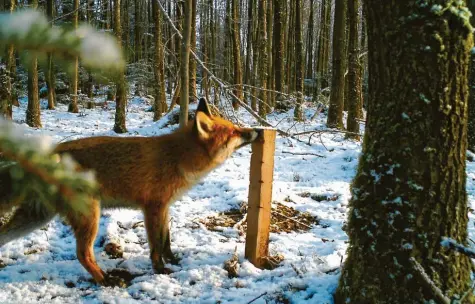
x: 160, y: 98
x: 192, y: 92
x: 270, y: 72
x: 137, y: 31
x: 184, y: 66
x: 255, y: 58
x: 262, y: 57
x: 33, y: 116
x: 73, y: 106
x: 323, y: 49
x: 309, y: 57
x: 298, y: 61
x: 279, y: 55
x: 247, y: 70
x: 237, y: 53
x: 409, y: 191
x: 335, y: 111
x: 290, y: 77
x: 471, y: 97
x: 354, y: 71
x: 6, y: 91
x: 50, y: 78
x: 121, y: 95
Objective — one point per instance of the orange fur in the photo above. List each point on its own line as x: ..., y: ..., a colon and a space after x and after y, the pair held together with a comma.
x: 148, y: 173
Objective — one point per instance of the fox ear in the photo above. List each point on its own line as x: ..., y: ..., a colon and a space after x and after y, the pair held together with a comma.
x: 203, y: 125
x: 203, y: 107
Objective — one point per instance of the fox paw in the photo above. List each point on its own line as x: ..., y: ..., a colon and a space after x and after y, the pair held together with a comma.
x: 113, y: 281
x: 162, y: 270
x: 173, y: 259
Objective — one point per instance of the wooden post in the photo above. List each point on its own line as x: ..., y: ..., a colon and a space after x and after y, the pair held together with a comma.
x: 260, y: 197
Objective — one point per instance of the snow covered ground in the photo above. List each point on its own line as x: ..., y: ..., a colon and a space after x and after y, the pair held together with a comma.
x: 42, y: 267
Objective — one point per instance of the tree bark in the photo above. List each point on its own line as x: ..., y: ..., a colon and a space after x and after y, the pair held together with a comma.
x: 471, y: 98
x: 50, y: 78
x: 354, y: 71
x: 184, y: 66
x: 335, y: 111
x: 237, y: 53
x: 6, y: 91
x: 409, y: 191
x: 121, y: 95
x: 160, y: 97
x: 33, y: 116
x: 323, y: 49
x: 298, y: 61
x: 262, y: 57
x: 192, y: 92
x: 73, y: 106
x: 279, y: 54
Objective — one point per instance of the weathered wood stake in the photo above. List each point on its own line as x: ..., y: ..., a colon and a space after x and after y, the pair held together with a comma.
x: 260, y: 197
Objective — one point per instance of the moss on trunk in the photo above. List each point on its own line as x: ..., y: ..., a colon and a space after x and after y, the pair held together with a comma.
x: 409, y: 191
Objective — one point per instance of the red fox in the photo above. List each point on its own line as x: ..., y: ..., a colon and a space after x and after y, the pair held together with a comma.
x: 146, y: 173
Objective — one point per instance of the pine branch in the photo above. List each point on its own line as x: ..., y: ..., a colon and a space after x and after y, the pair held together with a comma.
x: 31, y: 31
x: 36, y: 172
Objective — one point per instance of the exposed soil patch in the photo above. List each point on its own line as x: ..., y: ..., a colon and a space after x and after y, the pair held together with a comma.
x: 283, y: 219
x: 320, y: 197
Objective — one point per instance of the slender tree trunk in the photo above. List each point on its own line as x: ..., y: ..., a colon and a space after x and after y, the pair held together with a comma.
x: 247, y: 70
x: 354, y: 70
x: 121, y: 95
x: 50, y: 78
x: 137, y: 31
x: 184, y: 66
x: 255, y: 58
x: 309, y: 57
x: 33, y: 116
x: 298, y: 61
x: 409, y: 192
x: 160, y: 98
x: 236, y: 53
x: 290, y: 77
x: 335, y: 111
x: 279, y: 17
x: 73, y: 106
x: 193, y: 94
x: 262, y: 57
x: 89, y: 86
x: 270, y: 72
x: 323, y: 49
x: 6, y: 91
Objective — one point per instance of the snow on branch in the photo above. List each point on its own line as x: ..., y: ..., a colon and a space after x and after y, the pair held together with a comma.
x: 452, y: 244
x: 30, y: 30
x: 36, y: 172
x: 429, y: 284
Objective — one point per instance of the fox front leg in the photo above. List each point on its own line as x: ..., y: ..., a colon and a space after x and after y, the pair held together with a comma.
x: 168, y: 253
x: 156, y: 224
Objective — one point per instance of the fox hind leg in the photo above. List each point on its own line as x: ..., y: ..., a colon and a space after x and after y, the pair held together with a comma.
x: 156, y: 224
x: 85, y: 227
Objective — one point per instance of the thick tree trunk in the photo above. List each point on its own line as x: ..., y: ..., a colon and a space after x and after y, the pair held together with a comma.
x: 137, y: 31
x: 353, y: 99
x: 73, y: 106
x: 409, y: 191
x: 298, y: 61
x: 121, y: 95
x: 335, y: 111
x: 33, y: 116
x: 236, y: 53
x: 184, y: 66
x: 471, y: 100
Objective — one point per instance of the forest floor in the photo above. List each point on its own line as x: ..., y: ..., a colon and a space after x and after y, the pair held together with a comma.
x: 206, y: 224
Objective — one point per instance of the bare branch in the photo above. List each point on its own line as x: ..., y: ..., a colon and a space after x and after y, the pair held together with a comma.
x: 309, y: 154
x: 424, y: 278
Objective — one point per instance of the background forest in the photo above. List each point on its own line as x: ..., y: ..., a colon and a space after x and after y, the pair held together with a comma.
x: 374, y: 183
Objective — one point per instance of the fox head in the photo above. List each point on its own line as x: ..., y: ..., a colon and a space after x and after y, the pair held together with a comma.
x: 219, y: 136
